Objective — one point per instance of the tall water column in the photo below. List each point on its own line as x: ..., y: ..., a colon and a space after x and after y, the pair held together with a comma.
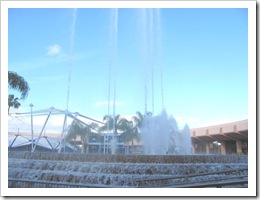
x: 112, y: 72
x: 160, y: 133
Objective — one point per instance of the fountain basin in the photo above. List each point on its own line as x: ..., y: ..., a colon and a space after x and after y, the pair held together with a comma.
x: 115, y: 170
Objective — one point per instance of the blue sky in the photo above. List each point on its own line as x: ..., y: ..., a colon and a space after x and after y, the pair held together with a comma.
x: 204, y: 57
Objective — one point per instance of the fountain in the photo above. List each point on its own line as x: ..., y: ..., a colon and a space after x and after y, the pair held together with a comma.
x: 112, y: 68
x: 86, y: 170
x: 160, y: 136
x: 159, y: 133
x: 113, y: 145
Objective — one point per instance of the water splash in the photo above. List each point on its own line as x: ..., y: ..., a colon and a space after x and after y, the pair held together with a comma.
x: 113, y: 145
x: 186, y: 140
x: 160, y: 136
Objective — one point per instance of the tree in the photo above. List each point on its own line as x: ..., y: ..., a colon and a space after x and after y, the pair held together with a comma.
x: 130, y: 133
x: 12, y: 102
x: 138, y: 120
x: 18, y: 83
x: 95, y: 135
x: 109, y: 124
x: 83, y: 131
x: 117, y: 123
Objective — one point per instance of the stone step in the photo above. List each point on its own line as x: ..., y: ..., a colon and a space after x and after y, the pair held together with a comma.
x: 131, y: 158
x: 103, y: 170
x: 120, y: 168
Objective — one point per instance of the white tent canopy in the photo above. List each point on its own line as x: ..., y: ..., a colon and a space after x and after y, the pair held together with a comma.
x: 18, y: 120
x: 15, y: 141
x: 43, y: 141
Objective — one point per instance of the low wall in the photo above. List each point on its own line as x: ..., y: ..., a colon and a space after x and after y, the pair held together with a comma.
x: 131, y: 158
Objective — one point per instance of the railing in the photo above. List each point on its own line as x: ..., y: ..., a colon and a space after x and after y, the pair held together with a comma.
x: 220, y: 184
x: 24, y: 183
x: 185, y: 182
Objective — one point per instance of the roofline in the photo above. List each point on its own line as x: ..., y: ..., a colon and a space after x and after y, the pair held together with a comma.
x: 235, y: 122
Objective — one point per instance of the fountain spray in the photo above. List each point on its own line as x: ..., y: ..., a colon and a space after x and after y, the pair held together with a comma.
x: 158, y: 17
x: 151, y: 31
x: 144, y: 33
x: 112, y: 67
x: 114, y: 141
x: 72, y: 38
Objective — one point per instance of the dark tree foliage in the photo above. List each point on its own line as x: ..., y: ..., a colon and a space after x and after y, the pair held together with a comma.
x: 18, y: 83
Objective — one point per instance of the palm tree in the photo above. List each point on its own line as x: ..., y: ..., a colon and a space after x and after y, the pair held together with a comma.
x: 12, y: 102
x: 109, y: 124
x: 83, y: 131
x: 138, y: 120
x: 74, y: 129
x: 84, y: 135
x: 117, y: 123
x: 18, y: 83
x: 130, y: 133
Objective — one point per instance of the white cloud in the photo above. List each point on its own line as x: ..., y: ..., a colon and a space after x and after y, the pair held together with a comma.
x: 44, y: 61
x: 53, y: 49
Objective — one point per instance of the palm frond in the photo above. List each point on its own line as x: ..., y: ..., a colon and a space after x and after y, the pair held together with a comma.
x: 18, y: 83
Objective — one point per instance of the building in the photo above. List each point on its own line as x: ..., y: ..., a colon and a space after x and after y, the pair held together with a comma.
x: 229, y: 138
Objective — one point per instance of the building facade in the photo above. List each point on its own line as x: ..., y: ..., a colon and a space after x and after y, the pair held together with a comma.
x: 229, y: 138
